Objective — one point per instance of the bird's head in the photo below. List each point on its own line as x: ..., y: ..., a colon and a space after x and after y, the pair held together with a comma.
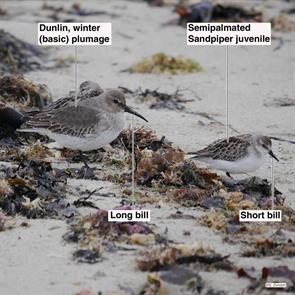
x: 265, y: 145
x: 116, y: 102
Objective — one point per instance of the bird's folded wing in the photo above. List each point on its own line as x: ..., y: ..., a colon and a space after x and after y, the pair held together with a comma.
x: 76, y: 121
x: 87, y: 90
x: 236, y: 148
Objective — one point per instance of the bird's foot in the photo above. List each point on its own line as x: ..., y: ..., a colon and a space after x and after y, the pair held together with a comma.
x: 227, y: 174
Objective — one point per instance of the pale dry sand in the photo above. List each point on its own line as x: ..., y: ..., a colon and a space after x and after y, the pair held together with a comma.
x: 36, y: 260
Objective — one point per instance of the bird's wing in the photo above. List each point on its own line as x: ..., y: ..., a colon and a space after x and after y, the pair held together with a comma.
x: 87, y: 90
x: 70, y: 120
x: 90, y: 89
x: 223, y: 150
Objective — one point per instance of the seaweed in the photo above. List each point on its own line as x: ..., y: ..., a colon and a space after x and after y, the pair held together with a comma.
x: 206, y: 11
x: 163, y: 257
x: 160, y: 63
x: 268, y: 275
x: 159, y: 100
x: 22, y: 94
x: 95, y: 233
x: 17, y: 56
x: 33, y: 190
x: 282, y: 23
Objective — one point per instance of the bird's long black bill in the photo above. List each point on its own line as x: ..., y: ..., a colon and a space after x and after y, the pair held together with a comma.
x: 273, y: 155
x: 133, y: 112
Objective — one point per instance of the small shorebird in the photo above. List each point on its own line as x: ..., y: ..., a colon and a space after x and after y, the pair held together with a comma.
x: 241, y: 154
x: 96, y: 121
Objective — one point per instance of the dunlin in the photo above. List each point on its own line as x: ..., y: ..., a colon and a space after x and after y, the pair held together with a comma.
x: 96, y: 121
x: 241, y: 154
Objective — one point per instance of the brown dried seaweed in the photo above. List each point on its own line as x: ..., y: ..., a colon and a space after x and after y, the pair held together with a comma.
x: 22, y: 94
x: 160, y: 63
x: 94, y: 232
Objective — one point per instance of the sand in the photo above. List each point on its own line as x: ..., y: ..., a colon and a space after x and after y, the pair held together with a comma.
x: 35, y: 260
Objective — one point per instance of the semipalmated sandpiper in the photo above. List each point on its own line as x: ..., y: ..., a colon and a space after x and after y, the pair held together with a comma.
x: 240, y: 154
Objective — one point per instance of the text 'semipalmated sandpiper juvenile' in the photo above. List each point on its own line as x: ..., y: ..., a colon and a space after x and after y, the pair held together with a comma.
x: 240, y: 154
x: 96, y: 121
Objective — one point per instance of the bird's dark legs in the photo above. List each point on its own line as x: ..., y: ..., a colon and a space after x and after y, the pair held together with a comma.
x: 83, y: 158
x: 227, y: 174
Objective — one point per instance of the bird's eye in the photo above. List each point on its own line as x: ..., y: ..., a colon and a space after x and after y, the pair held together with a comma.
x: 116, y: 101
x: 264, y: 146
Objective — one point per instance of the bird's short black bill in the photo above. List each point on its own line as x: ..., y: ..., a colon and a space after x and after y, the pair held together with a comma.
x: 133, y: 112
x: 273, y: 155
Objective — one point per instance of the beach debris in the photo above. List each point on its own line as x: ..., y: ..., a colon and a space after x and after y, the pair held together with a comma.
x: 178, y: 275
x: 22, y: 94
x: 87, y: 256
x: 61, y: 13
x: 281, y: 102
x: 206, y: 11
x: 160, y: 63
x: 159, y: 164
x: 255, y: 187
x: 35, y: 192
x: 166, y: 169
x: 282, y: 23
x: 159, y: 100
x: 85, y: 202
x: 271, y: 247
x: 162, y: 257
x: 95, y: 233
x: 280, y: 273
x: 160, y: 2
x: 143, y: 139
x: 17, y: 56
x: 74, y: 156
x: 152, y: 287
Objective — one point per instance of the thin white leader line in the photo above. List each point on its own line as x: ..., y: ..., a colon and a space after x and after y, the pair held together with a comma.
x: 272, y: 185
x: 76, y: 76
x: 226, y: 90
x: 132, y: 158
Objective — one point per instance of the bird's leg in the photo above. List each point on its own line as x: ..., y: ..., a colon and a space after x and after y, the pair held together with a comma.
x: 227, y: 174
x: 83, y: 158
